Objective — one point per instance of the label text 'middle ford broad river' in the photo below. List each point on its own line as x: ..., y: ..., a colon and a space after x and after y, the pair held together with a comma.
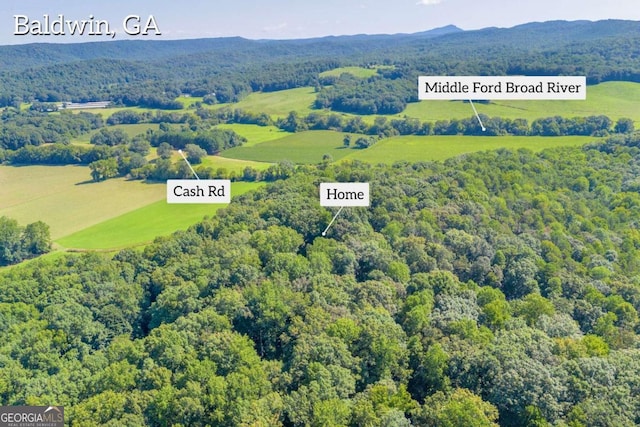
x: 502, y: 87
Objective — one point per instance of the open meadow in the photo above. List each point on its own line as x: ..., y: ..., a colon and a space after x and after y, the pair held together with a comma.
x: 231, y: 165
x: 142, y: 225
x: 427, y: 148
x: 354, y: 71
x: 277, y: 104
x: 309, y: 147
x: 104, y: 215
x: 66, y: 199
x: 301, y: 147
x: 613, y: 99
x: 255, y: 134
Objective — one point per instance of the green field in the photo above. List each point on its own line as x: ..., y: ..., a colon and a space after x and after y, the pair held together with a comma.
x: 143, y: 225
x: 613, y: 99
x: 302, y: 147
x: 235, y: 165
x: 425, y: 148
x: 362, y: 72
x: 277, y: 104
x: 65, y: 198
x: 188, y: 101
x: 255, y: 134
x: 354, y: 71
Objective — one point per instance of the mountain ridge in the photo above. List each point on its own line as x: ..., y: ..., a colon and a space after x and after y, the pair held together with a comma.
x: 532, y: 35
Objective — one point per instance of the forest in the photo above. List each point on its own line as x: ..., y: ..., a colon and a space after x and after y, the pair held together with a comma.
x: 495, y: 288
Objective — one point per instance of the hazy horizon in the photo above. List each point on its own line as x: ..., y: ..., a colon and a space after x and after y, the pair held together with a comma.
x: 291, y: 19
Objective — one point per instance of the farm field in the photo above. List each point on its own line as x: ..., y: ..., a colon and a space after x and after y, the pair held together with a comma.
x: 144, y: 224
x: 354, y: 71
x: 188, y: 101
x: 277, y: 104
x: 428, y: 148
x: 232, y: 165
x: 255, y: 134
x: 309, y: 147
x: 302, y: 147
x: 65, y: 198
x: 613, y: 99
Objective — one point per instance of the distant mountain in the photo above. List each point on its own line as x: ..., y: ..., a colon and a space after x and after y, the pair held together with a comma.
x: 15, y: 57
x: 38, y: 54
x: 232, y: 67
x: 545, y: 35
x: 441, y: 31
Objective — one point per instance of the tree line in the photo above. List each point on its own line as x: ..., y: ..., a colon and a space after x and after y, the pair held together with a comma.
x: 382, y: 126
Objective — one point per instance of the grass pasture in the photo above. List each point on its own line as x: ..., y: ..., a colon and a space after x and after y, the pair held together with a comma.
x: 277, y: 104
x: 303, y: 147
x: 361, y: 72
x: 427, y: 148
x: 66, y: 199
x: 144, y: 224
x: 232, y: 165
x: 613, y: 99
x: 188, y: 101
x: 255, y: 134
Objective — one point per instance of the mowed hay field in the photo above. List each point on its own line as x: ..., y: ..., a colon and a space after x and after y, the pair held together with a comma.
x: 231, y: 165
x: 427, y: 148
x: 354, y: 71
x: 277, y: 104
x: 65, y: 198
x: 144, y: 224
x: 302, y: 147
x: 309, y: 147
x: 612, y: 99
x: 255, y: 134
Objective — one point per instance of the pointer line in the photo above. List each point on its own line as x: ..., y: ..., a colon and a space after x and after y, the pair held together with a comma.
x: 324, y: 233
x: 477, y: 116
x: 189, y: 164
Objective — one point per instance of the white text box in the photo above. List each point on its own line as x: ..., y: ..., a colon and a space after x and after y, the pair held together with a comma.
x: 198, y: 191
x: 476, y: 88
x: 344, y: 194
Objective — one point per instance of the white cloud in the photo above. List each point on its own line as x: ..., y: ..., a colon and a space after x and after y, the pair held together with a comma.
x: 428, y: 2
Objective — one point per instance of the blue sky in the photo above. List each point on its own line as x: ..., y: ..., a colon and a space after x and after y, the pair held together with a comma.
x: 282, y: 19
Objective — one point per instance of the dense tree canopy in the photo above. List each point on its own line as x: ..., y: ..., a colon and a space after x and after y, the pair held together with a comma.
x: 494, y: 288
